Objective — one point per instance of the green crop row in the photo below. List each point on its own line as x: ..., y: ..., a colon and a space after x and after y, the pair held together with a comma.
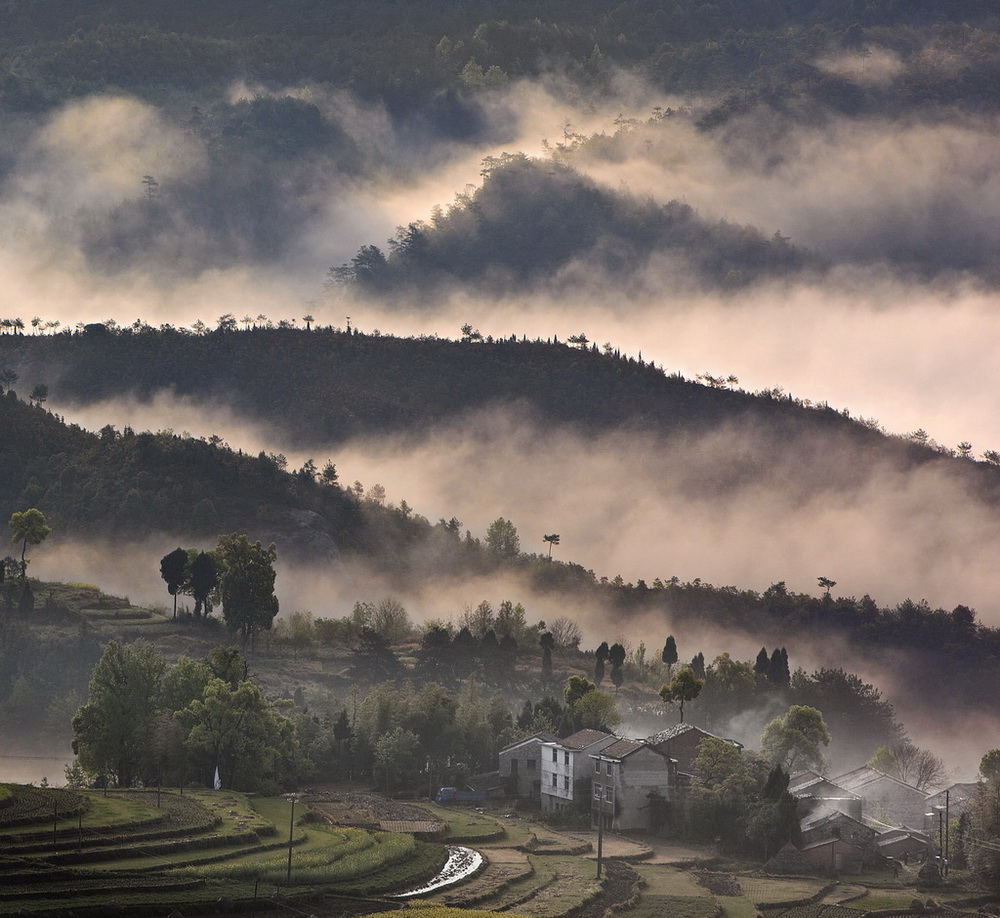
x: 27, y: 805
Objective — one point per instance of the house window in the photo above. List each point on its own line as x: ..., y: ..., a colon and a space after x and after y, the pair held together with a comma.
x: 555, y: 781
x: 597, y: 766
x: 566, y: 759
x: 531, y: 764
x: 609, y: 793
x: 555, y: 756
x: 565, y: 782
x: 609, y: 768
x: 597, y: 791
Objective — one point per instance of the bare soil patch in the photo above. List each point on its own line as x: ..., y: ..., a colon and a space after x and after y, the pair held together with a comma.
x: 370, y: 811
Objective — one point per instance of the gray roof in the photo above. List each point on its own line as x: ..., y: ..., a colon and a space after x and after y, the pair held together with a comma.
x: 958, y: 793
x: 582, y: 739
x: 821, y: 789
x: 675, y: 731
x: 624, y: 747
x: 824, y: 814
x: 541, y: 737
x: 860, y: 778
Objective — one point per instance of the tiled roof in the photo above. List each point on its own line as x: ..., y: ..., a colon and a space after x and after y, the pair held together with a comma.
x: 801, y: 778
x: 582, y: 739
x: 622, y: 748
x: 861, y: 777
x: 821, y: 788
x: 542, y: 737
x: 959, y: 793
x: 829, y: 841
x: 675, y: 731
x: 825, y: 814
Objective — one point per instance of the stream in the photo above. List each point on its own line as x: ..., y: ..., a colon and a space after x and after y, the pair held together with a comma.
x: 462, y: 862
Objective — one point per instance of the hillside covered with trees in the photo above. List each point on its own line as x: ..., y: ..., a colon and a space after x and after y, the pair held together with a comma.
x: 139, y: 484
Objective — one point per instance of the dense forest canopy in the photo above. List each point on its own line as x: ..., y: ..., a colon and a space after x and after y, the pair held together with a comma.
x: 405, y: 52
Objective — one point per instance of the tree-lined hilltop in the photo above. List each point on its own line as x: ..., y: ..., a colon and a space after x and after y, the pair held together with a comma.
x: 326, y: 384
x: 533, y: 219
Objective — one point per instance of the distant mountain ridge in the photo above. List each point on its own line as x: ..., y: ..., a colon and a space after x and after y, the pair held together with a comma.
x: 325, y: 386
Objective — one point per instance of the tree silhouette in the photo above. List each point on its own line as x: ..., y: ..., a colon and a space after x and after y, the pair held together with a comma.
x: 247, y: 585
x: 684, y: 687
x: 28, y: 528
x: 203, y: 580
x: 547, y: 642
x: 778, y: 672
x: 173, y: 569
x: 502, y: 538
x: 669, y: 655
x: 552, y: 540
x: 600, y: 658
x: 616, y: 657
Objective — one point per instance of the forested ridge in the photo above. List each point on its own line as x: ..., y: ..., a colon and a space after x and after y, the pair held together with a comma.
x: 325, y: 385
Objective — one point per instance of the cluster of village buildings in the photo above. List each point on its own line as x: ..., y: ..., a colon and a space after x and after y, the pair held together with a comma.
x: 850, y: 821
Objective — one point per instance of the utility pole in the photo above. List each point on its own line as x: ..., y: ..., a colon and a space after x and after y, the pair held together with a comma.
x: 600, y: 833
x: 291, y: 831
x: 947, y: 809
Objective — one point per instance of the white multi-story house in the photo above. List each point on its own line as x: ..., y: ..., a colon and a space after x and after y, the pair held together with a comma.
x: 567, y: 770
x: 632, y: 785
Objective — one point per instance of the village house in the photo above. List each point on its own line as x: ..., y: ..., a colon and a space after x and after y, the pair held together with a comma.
x: 632, y: 783
x: 887, y: 801
x: 832, y: 856
x: 816, y: 793
x: 906, y: 845
x: 955, y: 798
x: 680, y: 743
x: 825, y: 823
x: 566, y: 769
x: 520, y: 765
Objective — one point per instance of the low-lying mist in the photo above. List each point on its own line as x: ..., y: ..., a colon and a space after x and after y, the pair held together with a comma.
x: 732, y: 507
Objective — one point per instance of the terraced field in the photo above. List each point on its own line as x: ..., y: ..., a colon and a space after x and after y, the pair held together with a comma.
x: 148, y: 853
x: 156, y: 851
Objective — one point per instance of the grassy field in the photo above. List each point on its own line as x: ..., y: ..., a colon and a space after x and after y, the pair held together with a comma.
x: 780, y: 889
x: 736, y: 907
x: 661, y: 880
x: 466, y: 824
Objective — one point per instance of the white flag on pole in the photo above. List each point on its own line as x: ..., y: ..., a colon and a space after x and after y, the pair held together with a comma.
x: 218, y: 780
